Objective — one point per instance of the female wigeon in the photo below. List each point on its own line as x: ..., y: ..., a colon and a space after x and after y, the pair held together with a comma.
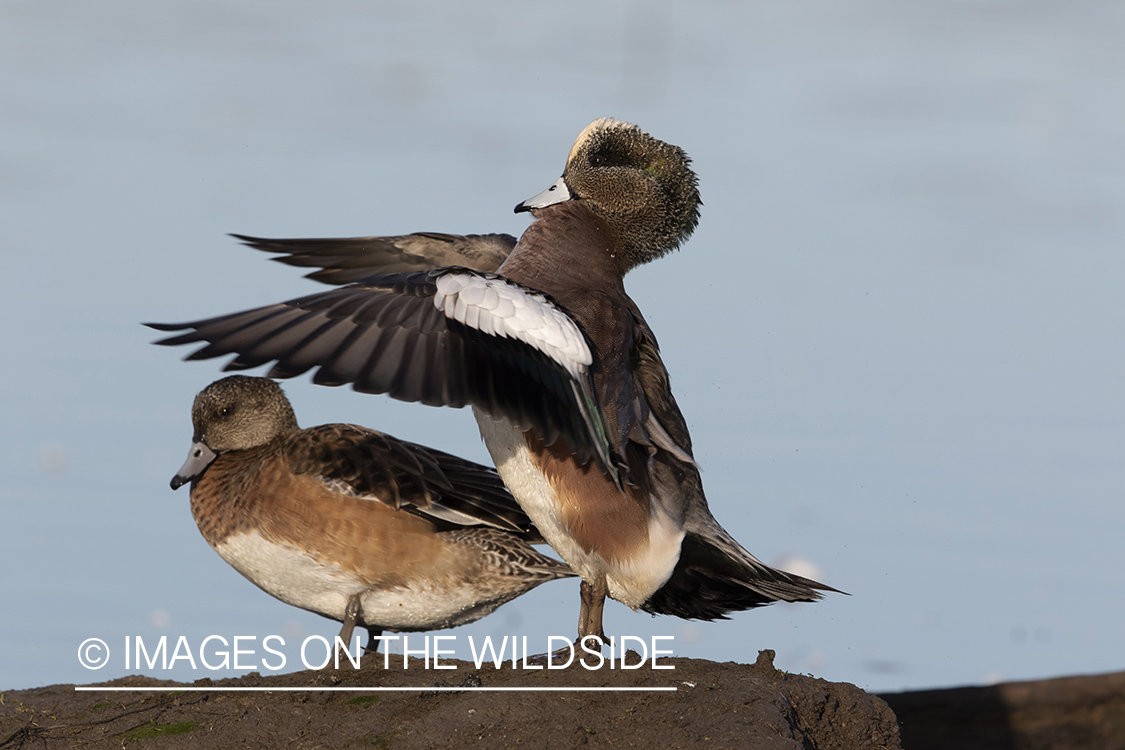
x: 350, y: 523
x: 566, y: 378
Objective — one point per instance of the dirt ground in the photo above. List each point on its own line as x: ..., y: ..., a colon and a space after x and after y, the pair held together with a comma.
x: 714, y: 705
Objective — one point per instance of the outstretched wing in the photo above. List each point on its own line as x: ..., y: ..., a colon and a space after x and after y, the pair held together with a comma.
x: 448, y: 337
x: 350, y: 259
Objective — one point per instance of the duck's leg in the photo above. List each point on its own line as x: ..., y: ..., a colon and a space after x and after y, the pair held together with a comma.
x: 351, y: 616
x: 589, y: 623
x: 372, y: 634
x: 593, y: 603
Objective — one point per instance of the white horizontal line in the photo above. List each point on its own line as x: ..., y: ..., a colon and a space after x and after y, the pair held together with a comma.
x: 263, y: 689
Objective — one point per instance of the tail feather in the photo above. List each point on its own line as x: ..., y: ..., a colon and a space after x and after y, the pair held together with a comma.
x: 715, y: 576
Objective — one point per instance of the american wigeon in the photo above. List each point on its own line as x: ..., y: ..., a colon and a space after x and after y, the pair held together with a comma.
x: 566, y: 378
x: 350, y: 523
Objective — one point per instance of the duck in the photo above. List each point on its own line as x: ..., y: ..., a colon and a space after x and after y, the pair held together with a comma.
x: 351, y: 523
x: 565, y: 376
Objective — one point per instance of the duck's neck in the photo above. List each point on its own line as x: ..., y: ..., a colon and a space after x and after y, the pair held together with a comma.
x: 566, y: 247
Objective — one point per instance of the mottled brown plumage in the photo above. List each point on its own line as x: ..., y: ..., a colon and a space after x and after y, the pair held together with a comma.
x: 351, y: 523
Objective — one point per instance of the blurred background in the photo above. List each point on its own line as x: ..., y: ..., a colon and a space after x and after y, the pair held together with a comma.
x: 896, y: 335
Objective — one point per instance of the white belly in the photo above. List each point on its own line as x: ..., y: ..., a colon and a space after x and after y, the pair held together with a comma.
x: 295, y: 577
x: 631, y: 581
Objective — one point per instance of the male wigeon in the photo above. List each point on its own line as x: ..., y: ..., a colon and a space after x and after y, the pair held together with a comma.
x: 566, y: 378
x: 350, y: 523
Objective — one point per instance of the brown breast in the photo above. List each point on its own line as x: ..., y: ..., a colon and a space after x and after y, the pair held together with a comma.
x: 599, y: 516
x: 247, y: 491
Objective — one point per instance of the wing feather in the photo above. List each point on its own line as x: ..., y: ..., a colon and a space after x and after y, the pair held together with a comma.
x: 484, y: 341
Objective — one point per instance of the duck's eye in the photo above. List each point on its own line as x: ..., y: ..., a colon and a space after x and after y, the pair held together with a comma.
x: 596, y: 160
x: 226, y: 411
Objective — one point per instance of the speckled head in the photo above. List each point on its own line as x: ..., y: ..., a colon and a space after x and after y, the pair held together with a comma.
x: 241, y: 412
x: 642, y: 187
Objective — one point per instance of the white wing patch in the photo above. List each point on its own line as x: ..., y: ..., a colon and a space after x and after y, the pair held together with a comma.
x: 499, y: 308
